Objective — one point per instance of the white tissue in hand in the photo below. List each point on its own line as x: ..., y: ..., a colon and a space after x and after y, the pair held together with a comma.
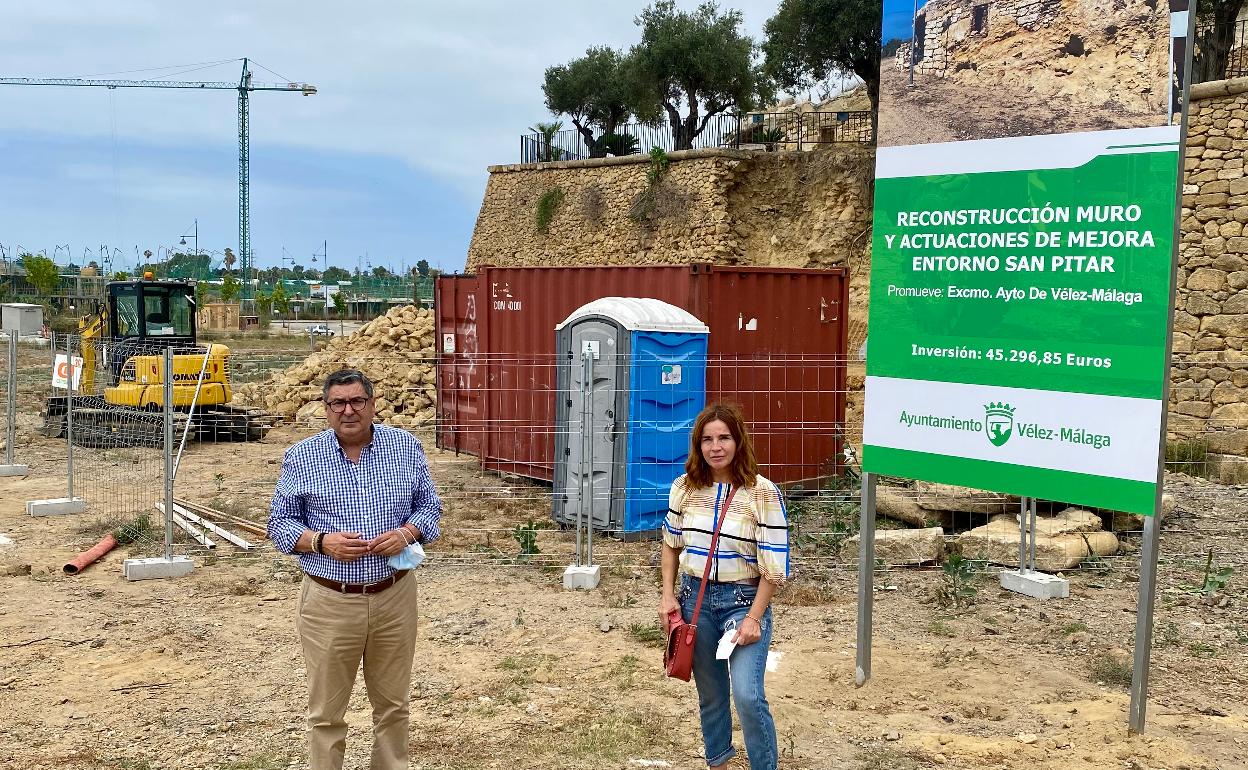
x: 727, y: 643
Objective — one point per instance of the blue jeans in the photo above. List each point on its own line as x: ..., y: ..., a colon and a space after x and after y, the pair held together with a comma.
x: 724, y: 605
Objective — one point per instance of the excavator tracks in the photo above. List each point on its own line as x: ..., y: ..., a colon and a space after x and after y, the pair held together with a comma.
x: 99, y: 424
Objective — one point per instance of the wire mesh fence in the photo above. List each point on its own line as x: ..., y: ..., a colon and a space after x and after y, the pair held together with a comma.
x: 506, y: 505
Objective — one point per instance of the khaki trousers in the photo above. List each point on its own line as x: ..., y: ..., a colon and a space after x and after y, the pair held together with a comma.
x: 338, y: 631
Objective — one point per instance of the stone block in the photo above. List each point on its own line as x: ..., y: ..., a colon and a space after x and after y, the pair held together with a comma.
x: 60, y: 506
x: 1037, y: 585
x: 1065, y: 522
x: 1237, y: 303
x: 1230, y: 415
x: 1206, y: 279
x: 1229, y: 442
x: 1195, y: 408
x: 582, y: 578
x: 1202, y: 305
x: 1225, y: 325
x: 1183, y: 426
x: 900, y: 546
x: 157, y: 568
x: 900, y: 505
x: 947, y: 497
x: 1227, y: 469
x: 1185, y: 322
x: 1230, y: 262
x: 1237, y: 280
x: 998, y: 541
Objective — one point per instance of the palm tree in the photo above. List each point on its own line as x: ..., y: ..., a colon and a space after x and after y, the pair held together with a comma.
x: 547, y: 151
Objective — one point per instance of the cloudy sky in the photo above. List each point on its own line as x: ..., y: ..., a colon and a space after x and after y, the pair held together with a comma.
x: 387, y: 162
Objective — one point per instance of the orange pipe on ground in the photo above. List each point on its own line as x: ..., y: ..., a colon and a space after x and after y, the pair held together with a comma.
x: 89, y: 556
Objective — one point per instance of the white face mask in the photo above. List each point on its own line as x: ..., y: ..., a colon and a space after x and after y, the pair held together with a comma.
x: 409, y: 558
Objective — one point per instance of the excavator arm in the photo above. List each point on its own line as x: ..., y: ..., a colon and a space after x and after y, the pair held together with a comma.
x: 91, y: 330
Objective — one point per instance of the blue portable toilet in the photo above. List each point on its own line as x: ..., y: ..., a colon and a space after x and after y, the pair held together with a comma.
x: 649, y: 383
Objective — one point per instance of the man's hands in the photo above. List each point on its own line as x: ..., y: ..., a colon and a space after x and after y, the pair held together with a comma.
x: 390, y: 543
x: 344, y: 546
x: 349, y: 546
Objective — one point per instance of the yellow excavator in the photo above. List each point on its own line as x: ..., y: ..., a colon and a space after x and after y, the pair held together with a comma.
x: 123, y: 344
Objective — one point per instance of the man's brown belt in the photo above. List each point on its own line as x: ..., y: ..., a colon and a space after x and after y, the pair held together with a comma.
x: 360, y: 588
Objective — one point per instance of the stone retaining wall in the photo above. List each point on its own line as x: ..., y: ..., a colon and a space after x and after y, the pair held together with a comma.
x: 1209, y: 396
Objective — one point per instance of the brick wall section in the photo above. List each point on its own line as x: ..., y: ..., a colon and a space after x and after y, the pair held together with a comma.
x: 1209, y: 395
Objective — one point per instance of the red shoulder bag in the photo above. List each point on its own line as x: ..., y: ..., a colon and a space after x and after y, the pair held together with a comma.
x: 678, y: 657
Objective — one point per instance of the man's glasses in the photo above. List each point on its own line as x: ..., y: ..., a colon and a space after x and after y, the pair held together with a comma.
x: 339, y: 405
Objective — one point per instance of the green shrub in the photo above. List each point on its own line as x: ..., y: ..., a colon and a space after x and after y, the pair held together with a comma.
x: 547, y: 205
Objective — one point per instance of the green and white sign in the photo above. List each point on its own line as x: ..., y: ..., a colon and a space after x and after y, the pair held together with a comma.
x: 1020, y: 299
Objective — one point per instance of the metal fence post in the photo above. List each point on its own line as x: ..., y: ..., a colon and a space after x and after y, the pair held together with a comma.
x: 1031, y: 565
x: 586, y: 394
x: 10, y: 407
x: 69, y: 414
x: 866, y: 578
x: 168, y: 444
x: 1022, y: 535
x: 589, y: 432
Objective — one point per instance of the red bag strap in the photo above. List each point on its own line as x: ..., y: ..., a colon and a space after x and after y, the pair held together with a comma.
x: 710, y: 556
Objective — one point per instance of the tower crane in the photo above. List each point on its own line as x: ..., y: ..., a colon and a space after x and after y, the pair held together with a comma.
x: 244, y: 87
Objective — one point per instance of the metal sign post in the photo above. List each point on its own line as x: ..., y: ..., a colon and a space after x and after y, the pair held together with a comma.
x: 866, y: 578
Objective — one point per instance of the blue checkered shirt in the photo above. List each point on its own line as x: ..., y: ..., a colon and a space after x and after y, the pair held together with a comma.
x: 320, y: 489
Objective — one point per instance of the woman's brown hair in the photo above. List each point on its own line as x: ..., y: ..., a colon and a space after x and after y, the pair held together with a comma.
x: 744, y: 468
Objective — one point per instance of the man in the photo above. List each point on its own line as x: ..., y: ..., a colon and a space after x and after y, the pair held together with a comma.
x: 347, y: 500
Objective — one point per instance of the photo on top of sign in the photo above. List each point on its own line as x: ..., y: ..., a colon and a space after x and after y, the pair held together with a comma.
x: 958, y: 70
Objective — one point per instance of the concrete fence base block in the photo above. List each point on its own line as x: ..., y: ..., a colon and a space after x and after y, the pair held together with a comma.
x: 582, y: 577
x: 14, y: 470
x: 1037, y: 585
x: 59, y: 506
x: 158, y: 567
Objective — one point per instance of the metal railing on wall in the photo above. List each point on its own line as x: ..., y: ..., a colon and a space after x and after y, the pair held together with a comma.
x: 760, y: 131
x: 1220, y: 52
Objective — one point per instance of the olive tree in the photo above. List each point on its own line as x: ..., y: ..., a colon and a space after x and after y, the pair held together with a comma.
x: 699, y: 61
x: 593, y: 92
x: 809, y: 40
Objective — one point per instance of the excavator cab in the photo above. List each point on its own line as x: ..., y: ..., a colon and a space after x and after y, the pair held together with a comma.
x: 160, y: 313
x: 142, y: 317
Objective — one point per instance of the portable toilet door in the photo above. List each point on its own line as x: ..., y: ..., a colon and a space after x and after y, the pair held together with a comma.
x: 649, y: 382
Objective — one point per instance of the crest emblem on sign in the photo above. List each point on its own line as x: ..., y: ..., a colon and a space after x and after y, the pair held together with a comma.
x: 998, y: 422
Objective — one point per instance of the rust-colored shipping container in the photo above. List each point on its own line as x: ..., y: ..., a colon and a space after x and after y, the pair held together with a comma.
x: 777, y: 346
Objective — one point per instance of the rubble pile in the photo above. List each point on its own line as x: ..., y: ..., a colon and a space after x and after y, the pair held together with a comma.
x: 395, y: 351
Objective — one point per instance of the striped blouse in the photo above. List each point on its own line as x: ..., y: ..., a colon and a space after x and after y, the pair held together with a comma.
x: 753, y: 541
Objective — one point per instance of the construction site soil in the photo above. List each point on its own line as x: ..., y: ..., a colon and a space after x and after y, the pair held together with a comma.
x: 512, y: 671
x: 947, y: 110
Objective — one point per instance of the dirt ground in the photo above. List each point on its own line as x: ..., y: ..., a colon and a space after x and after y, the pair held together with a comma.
x: 514, y: 672
x: 948, y: 110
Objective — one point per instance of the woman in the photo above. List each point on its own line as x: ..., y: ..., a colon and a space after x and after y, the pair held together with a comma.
x: 750, y: 562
